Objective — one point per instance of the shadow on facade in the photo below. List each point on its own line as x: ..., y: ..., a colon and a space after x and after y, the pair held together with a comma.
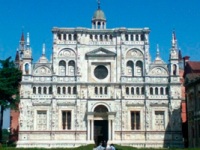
x: 173, y: 137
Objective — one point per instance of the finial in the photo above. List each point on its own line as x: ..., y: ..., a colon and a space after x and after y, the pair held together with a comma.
x: 157, y: 51
x: 43, y: 49
x: 99, y: 4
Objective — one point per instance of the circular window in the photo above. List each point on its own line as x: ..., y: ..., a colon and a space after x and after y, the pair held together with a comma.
x: 100, y: 72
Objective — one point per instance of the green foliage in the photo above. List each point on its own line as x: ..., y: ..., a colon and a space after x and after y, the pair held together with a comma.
x: 10, y: 76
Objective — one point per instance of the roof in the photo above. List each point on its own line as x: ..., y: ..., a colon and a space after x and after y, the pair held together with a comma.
x: 195, y: 65
x: 99, y: 15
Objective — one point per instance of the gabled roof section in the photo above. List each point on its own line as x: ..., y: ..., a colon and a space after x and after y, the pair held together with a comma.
x: 194, y: 65
x: 100, y: 52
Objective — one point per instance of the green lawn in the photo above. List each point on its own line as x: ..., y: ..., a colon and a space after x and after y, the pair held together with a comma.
x: 90, y: 147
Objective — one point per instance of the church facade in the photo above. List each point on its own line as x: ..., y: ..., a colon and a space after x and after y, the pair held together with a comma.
x: 100, y: 85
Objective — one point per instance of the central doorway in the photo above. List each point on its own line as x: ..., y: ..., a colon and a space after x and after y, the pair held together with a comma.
x: 100, y: 131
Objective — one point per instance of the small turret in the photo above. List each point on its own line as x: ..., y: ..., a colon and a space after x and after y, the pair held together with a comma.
x: 99, y: 19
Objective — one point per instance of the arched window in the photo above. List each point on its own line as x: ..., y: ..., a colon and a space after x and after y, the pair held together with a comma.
x: 64, y: 90
x: 27, y: 68
x: 96, y: 90
x: 174, y: 69
x: 161, y: 91
x: 156, y: 91
x: 45, y: 90
x: 137, y: 90
x: 151, y: 91
x: 62, y: 67
x: 101, y: 109
x: 139, y: 68
x: 34, y: 90
x: 132, y: 90
x: 39, y: 90
x: 142, y: 90
x: 130, y: 70
x: 69, y: 90
x: 101, y: 90
x: 58, y: 90
x: 50, y: 90
x: 127, y: 90
x: 71, y: 65
x: 74, y: 90
x: 106, y: 90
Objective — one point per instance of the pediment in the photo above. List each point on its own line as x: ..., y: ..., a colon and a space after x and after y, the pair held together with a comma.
x: 100, y: 52
x: 158, y: 71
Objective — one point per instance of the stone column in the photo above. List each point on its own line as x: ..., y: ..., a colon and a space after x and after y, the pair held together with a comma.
x: 88, y: 129
x: 113, y: 133
x: 109, y: 130
x: 92, y: 128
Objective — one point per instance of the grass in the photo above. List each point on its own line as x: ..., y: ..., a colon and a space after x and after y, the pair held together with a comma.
x: 91, y: 146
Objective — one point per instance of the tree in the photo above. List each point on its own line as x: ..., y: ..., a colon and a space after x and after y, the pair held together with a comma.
x: 10, y: 78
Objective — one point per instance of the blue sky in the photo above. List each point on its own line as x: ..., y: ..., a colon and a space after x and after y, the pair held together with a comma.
x: 38, y: 17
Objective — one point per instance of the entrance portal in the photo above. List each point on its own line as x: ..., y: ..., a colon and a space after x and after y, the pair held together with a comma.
x: 100, y: 131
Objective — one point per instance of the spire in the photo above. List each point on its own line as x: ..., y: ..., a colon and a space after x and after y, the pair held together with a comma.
x: 17, y: 57
x: 21, y: 42
x: 43, y: 49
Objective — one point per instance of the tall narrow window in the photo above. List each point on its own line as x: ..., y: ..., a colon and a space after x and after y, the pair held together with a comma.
x: 132, y: 90
x: 62, y: 67
x: 39, y: 90
x: 151, y: 91
x: 126, y: 37
x: 27, y: 68
x: 58, y: 90
x: 66, y: 120
x: 106, y: 90
x: 161, y: 91
x: 130, y: 70
x: 74, y: 90
x: 34, y: 90
x: 50, y: 90
x: 71, y: 65
x: 139, y: 68
x: 127, y: 90
x: 64, y: 90
x: 69, y: 90
x: 138, y: 91
x: 156, y: 91
x: 174, y: 69
x: 135, y: 120
x: 96, y: 90
x: 166, y: 90
x: 142, y: 90
x: 41, y: 120
x: 101, y: 90
x: 45, y: 90
x: 159, y: 120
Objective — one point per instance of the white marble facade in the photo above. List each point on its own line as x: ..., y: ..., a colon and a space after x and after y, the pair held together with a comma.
x: 100, y: 84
